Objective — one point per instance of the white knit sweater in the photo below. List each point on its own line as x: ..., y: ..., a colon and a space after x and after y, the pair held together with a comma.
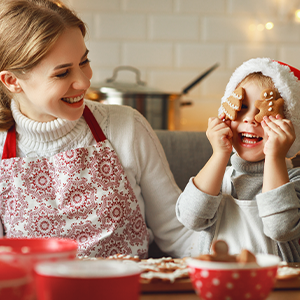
x: 140, y: 153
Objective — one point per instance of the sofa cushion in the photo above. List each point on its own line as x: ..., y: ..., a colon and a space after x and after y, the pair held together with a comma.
x: 186, y: 151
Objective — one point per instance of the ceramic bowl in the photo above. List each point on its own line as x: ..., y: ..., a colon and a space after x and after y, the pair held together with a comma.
x: 25, y: 253
x: 88, y: 279
x: 234, y: 281
x: 14, y: 282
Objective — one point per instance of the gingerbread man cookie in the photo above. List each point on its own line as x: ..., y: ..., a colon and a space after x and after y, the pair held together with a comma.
x: 233, y: 104
x: 269, y: 105
x: 221, y: 254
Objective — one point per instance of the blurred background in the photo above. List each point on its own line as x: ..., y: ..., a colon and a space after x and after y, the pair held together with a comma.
x: 171, y: 42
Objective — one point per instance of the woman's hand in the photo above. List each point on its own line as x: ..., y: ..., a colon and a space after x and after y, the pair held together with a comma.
x: 220, y: 134
x: 280, y: 135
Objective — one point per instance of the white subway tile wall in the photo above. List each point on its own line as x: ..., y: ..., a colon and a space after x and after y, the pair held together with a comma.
x: 173, y: 41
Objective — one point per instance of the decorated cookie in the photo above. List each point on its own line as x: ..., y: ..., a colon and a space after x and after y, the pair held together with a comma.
x: 286, y: 272
x: 269, y: 105
x: 120, y: 256
x: 164, y: 269
x: 233, y: 104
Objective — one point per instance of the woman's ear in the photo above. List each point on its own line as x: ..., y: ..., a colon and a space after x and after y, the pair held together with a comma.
x: 10, y: 81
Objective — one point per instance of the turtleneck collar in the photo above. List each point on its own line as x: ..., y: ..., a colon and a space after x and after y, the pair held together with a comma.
x: 243, y: 166
x: 40, y: 131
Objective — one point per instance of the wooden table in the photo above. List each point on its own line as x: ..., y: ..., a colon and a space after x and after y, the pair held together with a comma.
x: 275, y: 295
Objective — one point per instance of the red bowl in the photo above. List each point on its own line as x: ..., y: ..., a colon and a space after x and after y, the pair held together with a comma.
x: 234, y: 281
x: 14, y: 282
x: 24, y: 253
x: 90, y: 279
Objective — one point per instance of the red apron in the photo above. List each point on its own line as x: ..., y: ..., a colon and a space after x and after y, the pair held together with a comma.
x: 81, y: 194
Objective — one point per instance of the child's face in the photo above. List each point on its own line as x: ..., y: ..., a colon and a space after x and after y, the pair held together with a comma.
x: 55, y: 88
x: 248, y: 135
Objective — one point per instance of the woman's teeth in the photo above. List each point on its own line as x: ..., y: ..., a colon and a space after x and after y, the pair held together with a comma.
x: 72, y: 100
x: 248, y: 138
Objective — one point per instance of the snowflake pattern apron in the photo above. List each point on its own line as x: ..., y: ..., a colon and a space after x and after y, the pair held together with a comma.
x: 82, y: 194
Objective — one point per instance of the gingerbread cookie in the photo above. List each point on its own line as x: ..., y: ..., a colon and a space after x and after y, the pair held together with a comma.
x: 284, y: 272
x: 163, y: 269
x: 233, y: 104
x: 269, y: 105
x: 246, y: 257
x: 120, y: 256
x: 221, y: 254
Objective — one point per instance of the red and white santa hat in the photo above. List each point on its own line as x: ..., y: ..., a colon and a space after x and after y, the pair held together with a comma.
x: 285, y: 78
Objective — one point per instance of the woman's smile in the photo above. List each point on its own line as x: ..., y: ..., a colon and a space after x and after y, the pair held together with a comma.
x: 73, y: 99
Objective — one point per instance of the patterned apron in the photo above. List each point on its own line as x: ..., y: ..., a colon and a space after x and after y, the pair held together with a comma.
x: 82, y: 194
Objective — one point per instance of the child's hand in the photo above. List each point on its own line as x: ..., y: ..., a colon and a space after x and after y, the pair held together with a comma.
x: 210, y: 177
x: 220, y: 135
x: 280, y: 136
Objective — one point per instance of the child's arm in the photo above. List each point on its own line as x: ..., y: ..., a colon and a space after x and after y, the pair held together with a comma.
x: 279, y: 210
x: 280, y: 137
x: 209, y: 179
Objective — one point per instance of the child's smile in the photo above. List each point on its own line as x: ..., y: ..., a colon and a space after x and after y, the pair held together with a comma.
x: 249, y: 138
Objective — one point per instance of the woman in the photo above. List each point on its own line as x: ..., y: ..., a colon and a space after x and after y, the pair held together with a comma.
x: 70, y: 167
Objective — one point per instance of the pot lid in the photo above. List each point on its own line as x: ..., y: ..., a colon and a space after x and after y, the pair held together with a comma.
x: 112, y: 86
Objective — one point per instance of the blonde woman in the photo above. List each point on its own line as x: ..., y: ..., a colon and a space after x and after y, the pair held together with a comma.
x: 70, y: 167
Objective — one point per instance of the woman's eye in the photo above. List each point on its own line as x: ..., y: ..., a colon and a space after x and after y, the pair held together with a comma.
x: 244, y: 106
x: 62, y: 75
x: 86, y: 61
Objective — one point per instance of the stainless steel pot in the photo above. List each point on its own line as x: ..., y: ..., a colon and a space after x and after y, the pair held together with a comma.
x: 162, y: 110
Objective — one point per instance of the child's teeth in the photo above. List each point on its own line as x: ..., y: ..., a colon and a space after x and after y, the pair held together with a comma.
x: 246, y: 138
x: 250, y: 135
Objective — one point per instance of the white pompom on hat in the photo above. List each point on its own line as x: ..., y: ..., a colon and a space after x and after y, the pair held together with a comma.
x: 285, y: 78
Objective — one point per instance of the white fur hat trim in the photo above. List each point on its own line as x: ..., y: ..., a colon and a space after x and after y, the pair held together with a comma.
x: 284, y: 80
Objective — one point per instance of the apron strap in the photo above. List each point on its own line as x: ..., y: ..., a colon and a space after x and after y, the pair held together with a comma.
x: 226, y: 185
x: 10, y: 145
x: 93, y: 124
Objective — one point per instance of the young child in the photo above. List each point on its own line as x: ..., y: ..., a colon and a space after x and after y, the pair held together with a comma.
x: 73, y: 168
x: 255, y: 202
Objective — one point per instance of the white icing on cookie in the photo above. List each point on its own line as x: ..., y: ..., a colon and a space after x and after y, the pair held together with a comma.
x: 235, y: 107
x: 227, y: 113
x: 236, y: 96
x: 284, y: 272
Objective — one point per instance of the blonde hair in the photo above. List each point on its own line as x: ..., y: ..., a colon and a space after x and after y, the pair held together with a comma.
x: 264, y: 82
x: 28, y: 30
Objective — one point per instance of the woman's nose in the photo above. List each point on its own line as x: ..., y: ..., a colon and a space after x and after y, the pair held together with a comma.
x: 82, y: 80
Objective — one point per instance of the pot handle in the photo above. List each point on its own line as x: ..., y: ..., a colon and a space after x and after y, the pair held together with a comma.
x: 186, y: 103
x: 127, y: 68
